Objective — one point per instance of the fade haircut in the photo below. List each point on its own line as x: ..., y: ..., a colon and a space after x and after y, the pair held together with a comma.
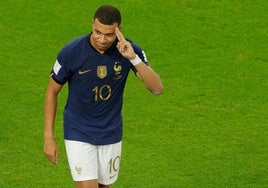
x: 108, y: 15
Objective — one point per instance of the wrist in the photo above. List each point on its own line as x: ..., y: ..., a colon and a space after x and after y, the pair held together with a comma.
x: 48, y: 137
x: 136, y: 60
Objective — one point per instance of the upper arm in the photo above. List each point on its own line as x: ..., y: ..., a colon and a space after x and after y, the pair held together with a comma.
x: 53, y: 86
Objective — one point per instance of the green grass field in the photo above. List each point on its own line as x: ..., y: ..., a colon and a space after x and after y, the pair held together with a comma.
x: 208, y: 128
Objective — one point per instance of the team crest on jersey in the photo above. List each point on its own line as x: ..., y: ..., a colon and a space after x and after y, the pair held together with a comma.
x: 102, y: 72
x: 117, y: 70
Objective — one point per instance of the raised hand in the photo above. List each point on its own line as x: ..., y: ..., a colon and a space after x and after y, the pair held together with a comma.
x: 123, y: 46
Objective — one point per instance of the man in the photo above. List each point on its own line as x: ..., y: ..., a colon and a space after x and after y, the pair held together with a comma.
x: 96, y: 67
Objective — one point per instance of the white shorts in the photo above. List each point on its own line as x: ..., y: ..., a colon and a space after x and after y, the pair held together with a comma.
x: 90, y: 162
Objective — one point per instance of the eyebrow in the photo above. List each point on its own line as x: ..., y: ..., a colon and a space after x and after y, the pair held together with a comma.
x: 104, y: 33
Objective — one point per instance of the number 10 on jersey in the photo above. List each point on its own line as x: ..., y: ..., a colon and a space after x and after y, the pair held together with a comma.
x: 102, y: 92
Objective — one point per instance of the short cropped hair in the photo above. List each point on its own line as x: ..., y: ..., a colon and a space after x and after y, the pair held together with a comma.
x: 108, y: 15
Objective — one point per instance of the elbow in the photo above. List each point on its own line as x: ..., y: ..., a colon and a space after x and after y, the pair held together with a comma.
x: 158, y: 90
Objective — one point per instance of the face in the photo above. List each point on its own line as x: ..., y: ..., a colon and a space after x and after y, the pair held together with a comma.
x: 102, y: 36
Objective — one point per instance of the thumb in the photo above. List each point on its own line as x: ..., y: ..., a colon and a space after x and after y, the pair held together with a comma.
x: 56, y: 156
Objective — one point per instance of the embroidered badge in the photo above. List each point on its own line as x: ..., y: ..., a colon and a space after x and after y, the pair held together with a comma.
x: 102, y: 72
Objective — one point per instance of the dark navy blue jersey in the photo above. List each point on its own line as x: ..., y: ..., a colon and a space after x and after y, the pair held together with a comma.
x: 95, y: 90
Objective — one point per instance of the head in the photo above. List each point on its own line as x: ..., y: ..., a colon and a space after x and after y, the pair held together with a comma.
x: 105, y: 20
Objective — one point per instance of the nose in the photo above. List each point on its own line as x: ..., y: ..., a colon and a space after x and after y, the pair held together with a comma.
x: 103, y: 38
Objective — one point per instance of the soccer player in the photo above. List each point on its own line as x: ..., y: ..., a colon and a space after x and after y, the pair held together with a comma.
x: 96, y: 67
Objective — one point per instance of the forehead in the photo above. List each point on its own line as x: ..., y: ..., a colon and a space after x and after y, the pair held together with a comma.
x: 105, y: 29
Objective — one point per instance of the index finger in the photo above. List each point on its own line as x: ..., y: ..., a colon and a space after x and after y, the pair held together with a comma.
x: 119, y: 34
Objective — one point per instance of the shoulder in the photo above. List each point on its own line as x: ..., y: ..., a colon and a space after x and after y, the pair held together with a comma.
x: 75, y: 43
x: 73, y: 48
x: 134, y: 44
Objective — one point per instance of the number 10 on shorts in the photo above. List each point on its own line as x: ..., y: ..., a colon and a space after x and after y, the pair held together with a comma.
x: 114, y: 165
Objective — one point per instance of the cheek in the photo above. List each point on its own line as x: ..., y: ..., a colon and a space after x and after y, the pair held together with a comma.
x: 95, y: 36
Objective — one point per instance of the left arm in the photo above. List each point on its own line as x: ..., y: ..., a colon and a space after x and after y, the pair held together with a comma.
x: 150, y: 78
x: 147, y: 75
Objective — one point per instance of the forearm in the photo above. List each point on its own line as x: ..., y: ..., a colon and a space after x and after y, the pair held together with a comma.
x: 150, y: 78
x: 49, y: 115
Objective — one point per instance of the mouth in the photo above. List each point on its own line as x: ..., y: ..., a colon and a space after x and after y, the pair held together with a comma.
x: 103, y: 45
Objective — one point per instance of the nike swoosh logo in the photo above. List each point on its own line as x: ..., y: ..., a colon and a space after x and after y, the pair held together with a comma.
x: 83, y: 72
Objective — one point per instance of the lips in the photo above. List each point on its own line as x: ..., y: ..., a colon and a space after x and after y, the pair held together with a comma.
x: 103, y: 44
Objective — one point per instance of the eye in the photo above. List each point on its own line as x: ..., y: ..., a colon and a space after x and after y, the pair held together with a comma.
x: 97, y: 32
x: 110, y: 34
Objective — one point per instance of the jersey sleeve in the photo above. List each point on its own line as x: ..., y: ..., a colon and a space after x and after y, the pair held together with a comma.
x: 62, y: 70
x: 141, y: 53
